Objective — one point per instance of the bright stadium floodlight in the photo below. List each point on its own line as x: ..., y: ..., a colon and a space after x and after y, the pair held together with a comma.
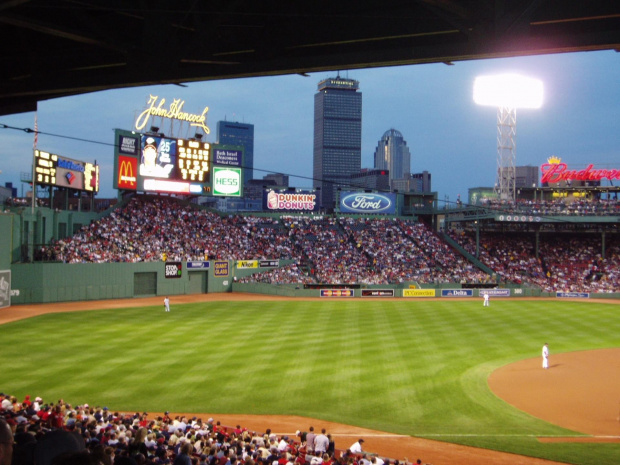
x: 507, y: 92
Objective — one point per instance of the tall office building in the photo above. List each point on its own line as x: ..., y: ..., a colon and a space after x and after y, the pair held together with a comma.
x: 231, y: 133
x: 392, y: 154
x: 337, y: 136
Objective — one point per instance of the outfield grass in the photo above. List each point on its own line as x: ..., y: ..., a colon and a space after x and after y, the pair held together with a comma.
x: 410, y: 367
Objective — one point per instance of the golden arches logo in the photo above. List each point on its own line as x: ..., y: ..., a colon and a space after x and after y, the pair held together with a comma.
x: 126, y: 176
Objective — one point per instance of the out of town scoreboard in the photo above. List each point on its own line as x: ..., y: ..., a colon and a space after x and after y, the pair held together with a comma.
x: 55, y: 170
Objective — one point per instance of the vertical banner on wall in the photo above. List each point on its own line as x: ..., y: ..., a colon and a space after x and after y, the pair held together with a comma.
x: 5, y: 288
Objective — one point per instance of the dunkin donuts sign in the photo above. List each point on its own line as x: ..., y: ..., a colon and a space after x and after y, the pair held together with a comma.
x: 304, y: 201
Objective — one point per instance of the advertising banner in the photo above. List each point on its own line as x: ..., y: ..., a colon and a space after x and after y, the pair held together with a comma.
x: 227, y: 157
x: 227, y: 182
x: 495, y: 292
x: 573, y: 295
x: 336, y: 292
x: 5, y: 288
x: 290, y: 201
x: 245, y: 264
x: 197, y: 265
x: 221, y: 269
x: 457, y: 293
x: 127, y: 172
x: 70, y: 174
x: 269, y: 263
x: 173, y: 269
x: 128, y: 145
x: 364, y: 202
x: 418, y: 292
x: 377, y: 292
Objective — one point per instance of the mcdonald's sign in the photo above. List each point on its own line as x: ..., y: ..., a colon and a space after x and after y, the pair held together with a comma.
x: 127, y: 172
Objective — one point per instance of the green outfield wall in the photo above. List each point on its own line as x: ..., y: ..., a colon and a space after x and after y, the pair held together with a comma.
x: 62, y: 282
x: 59, y: 282
x: 444, y: 290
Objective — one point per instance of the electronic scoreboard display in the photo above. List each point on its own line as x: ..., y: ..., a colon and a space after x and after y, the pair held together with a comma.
x: 174, y: 159
x: 154, y: 163
x: 163, y: 164
x: 55, y: 170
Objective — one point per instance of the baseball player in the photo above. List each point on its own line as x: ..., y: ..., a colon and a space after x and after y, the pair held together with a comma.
x: 545, y: 356
x: 486, y: 300
x: 167, y: 304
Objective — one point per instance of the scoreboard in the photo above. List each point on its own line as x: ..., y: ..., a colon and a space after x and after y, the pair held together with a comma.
x: 193, y: 160
x: 153, y: 163
x: 58, y: 171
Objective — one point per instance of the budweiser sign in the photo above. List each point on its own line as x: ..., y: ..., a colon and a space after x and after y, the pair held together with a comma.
x: 555, y: 171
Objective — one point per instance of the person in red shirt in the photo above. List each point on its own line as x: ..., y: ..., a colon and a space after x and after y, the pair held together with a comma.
x: 56, y: 418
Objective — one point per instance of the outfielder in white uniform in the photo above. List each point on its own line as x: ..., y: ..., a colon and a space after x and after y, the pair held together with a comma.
x: 486, y: 300
x: 167, y: 304
x: 545, y: 356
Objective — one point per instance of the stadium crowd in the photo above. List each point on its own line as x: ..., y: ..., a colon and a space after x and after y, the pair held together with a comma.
x: 564, y: 263
x: 58, y: 433
x: 147, y: 228
x: 344, y: 250
x: 558, y: 207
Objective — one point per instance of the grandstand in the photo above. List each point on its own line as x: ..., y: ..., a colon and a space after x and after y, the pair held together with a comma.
x: 540, y: 247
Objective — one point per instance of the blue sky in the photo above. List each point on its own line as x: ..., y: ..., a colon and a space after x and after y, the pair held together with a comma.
x: 431, y: 105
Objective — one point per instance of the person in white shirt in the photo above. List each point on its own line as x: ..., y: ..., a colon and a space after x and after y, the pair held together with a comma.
x: 545, y: 356
x: 321, y: 442
x: 356, y: 448
x: 486, y: 300
x: 167, y: 304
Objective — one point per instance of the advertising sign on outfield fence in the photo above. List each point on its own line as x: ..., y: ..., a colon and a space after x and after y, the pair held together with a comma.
x: 377, y: 292
x: 418, y: 292
x: 246, y: 264
x: 573, y: 295
x: 336, y: 292
x: 457, y: 293
x: 495, y: 292
x: 221, y: 269
x: 173, y: 269
x: 197, y: 264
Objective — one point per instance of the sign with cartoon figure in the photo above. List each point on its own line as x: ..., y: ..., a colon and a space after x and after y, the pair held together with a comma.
x: 158, y: 157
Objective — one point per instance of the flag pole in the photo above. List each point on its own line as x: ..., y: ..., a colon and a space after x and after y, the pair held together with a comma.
x: 34, y: 160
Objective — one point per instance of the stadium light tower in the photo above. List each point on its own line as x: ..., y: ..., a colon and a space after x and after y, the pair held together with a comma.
x: 507, y: 92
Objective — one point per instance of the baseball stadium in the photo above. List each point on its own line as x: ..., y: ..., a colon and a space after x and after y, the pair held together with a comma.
x: 386, y: 328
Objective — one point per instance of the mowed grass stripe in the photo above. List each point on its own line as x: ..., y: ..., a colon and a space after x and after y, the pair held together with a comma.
x: 410, y: 367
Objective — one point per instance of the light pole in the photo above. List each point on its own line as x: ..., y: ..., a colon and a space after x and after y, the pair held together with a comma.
x: 507, y: 92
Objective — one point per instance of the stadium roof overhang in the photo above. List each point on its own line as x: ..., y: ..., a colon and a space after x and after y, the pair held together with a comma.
x: 54, y: 48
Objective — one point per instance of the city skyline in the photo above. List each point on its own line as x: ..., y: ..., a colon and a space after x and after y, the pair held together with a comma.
x: 337, y: 137
x: 431, y: 105
x: 393, y: 154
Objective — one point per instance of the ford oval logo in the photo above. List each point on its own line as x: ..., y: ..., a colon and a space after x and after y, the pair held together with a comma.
x: 363, y: 203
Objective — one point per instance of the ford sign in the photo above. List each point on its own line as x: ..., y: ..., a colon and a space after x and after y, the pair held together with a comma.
x: 362, y: 202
